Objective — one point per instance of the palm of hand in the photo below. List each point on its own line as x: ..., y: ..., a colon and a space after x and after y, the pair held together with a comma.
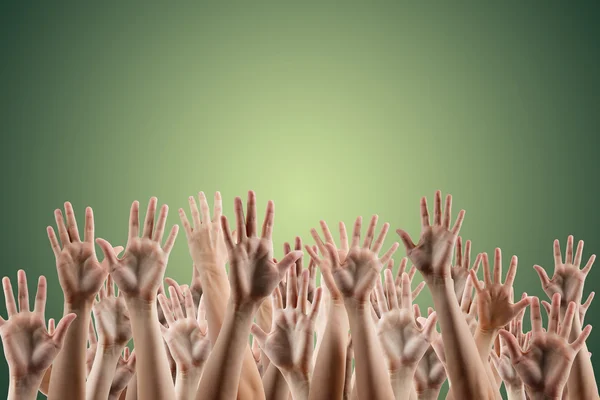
x: 401, y: 338
x: 123, y: 375
x: 141, y: 269
x: 356, y: 278
x: 546, y: 366
x: 494, y: 306
x: 432, y: 254
x: 568, y: 281
x: 112, y: 321
x: 430, y: 372
x: 289, y: 346
x: 256, y: 274
x: 188, y: 345
x: 28, y: 347
x: 507, y: 372
x: 79, y: 272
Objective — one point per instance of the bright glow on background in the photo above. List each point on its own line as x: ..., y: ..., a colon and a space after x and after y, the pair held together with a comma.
x: 331, y: 111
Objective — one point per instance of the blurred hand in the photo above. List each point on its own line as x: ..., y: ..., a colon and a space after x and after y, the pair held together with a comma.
x: 460, y: 270
x: 112, y: 318
x: 141, y: 270
x: 123, y: 373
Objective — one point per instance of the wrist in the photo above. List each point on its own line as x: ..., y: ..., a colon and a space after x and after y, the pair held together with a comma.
x: 356, y: 305
x: 402, y: 372
x: 428, y: 394
x: 515, y: 390
x: 109, y: 350
x: 137, y: 304
x: 24, y: 387
x: 78, y: 307
x: 442, y: 281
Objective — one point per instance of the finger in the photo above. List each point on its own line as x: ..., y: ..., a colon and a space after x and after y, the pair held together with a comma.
x: 416, y: 311
x: 92, y: 339
x: 536, y: 316
x: 53, y: 241
x: 370, y: 232
x: 175, y: 303
x: 512, y: 271
x: 88, y: 233
x: 185, y: 223
x: 267, y: 228
x: 51, y: 326
x: 387, y: 256
x: 159, y: 230
x: 190, y: 310
x: 62, y: 229
x: 71, y: 223
x: 467, y: 256
x: 406, y: 298
x: 418, y: 290
x: 326, y: 232
x: 381, y: 301
x: 476, y: 283
x: 195, y: 212
x: 227, y: 234
x: 578, y: 254
x: 458, y: 224
x: 291, y: 296
x: 565, y: 328
x: 429, y: 326
x: 569, y: 255
x: 406, y: 240
x: 589, y: 301
x: 204, y: 209
x: 554, y: 313
x: 259, y: 335
x: 40, y: 297
x: 61, y: 329
x: 164, y: 305
x: 512, y: 346
x: 401, y: 270
x: 303, y: 296
x: 487, y: 277
x: 467, y: 295
x: 287, y: 261
x: 11, y: 306
x: 498, y: 266
x: 171, y: 239
x: 424, y: 212
x: 520, y: 306
x: 447, y: 212
x: 547, y: 307
x: 391, y: 289
x: 277, y: 299
x: 589, y: 264
x: 557, y: 254
x: 381, y: 238
x: 356, y: 232
x: 543, y: 275
x: 316, y: 304
x: 437, y: 208
x: 110, y: 287
x: 108, y: 252
x: 251, y: 228
x: 580, y: 341
x: 240, y: 219
x: 459, y: 251
x: 318, y: 241
x: 149, y: 220
x: 300, y: 261
x: 23, y: 291
x: 343, y: 237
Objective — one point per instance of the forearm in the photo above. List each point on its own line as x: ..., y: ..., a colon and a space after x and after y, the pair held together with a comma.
x: 299, y: 385
x: 516, y: 393
x: 132, y: 388
x: 484, y: 340
x: 428, y: 394
x: 372, y: 377
x: 224, y: 366
x: 275, y: 385
x: 186, y: 384
x: 582, y: 382
x: 69, y: 370
x: 465, y: 368
x: 330, y: 372
x: 24, y: 388
x: 402, y: 382
x: 102, y: 373
x: 153, y: 373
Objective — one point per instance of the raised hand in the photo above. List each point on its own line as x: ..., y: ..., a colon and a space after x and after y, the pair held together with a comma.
x: 432, y: 255
x: 502, y: 362
x: 123, y: 374
x: 545, y: 366
x: 356, y: 275
x: 312, y: 268
x: 568, y: 279
x: 411, y: 275
x: 186, y: 335
x: 403, y: 341
x: 79, y: 272
x: 140, y: 271
x: 494, y: 300
x: 468, y: 306
x: 460, y: 271
x: 28, y: 347
x: 252, y: 273
x: 289, y: 345
x: 430, y: 374
x: 112, y: 318
x: 205, y: 237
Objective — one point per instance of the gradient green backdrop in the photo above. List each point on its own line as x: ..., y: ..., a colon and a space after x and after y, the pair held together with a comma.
x: 332, y: 110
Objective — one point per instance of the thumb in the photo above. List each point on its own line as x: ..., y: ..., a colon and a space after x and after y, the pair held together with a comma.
x: 61, y: 329
x: 405, y: 237
x: 259, y: 335
x: 108, y: 251
x: 289, y: 259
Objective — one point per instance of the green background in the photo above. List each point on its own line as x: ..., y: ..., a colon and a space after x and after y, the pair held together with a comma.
x: 332, y: 110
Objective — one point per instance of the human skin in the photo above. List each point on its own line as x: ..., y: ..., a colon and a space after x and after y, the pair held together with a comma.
x: 138, y: 274
x: 80, y: 276
x: 432, y: 257
x: 209, y: 253
x: 252, y: 276
x: 123, y: 375
x: 29, y: 348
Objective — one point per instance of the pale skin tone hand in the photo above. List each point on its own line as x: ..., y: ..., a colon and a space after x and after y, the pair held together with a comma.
x: 502, y: 363
x: 545, y: 366
x: 28, y: 347
x: 430, y: 373
x: 252, y: 276
x: 289, y: 344
x: 462, y: 266
x: 186, y: 337
x: 139, y: 274
x: 123, y: 374
x: 432, y: 256
x: 469, y: 307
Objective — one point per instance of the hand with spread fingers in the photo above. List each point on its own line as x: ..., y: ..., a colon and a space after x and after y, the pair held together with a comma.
x: 544, y: 367
x: 289, y: 344
x: 411, y: 275
x: 29, y: 348
x: 468, y: 306
x: 186, y: 336
x: 430, y: 373
x: 403, y: 341
x: 460, y: 271
x: 123, y: 374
